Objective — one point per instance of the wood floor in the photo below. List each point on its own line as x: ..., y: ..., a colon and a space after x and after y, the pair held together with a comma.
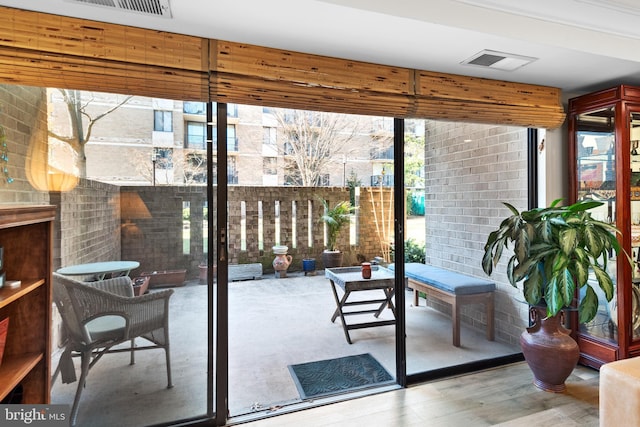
x: 498, y: 397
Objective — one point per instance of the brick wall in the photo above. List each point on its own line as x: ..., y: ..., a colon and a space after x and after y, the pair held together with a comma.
x: 157, y: 242
x: 21, y: 109
x: 470, y: 170
x: 88, y: 225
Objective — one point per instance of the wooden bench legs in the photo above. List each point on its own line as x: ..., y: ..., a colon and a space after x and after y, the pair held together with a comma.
x: 456, y: 301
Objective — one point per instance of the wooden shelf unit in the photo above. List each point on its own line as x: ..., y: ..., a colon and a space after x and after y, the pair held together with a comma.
x: 26, y: 234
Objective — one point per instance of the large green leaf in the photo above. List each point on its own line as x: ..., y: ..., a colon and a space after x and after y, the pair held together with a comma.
x: 500, y: 245
x: 523, y: 269
x: 605, y: 282
x: 584, y: 205
x: 553, y: 297
x: 511, y: 208
x: 510, y: 269
x: 487, y: 262
x: 566, y: 287
x: 580, y: 271
x: 522, y: 245
x: 593, y: 240
x: 568, y: 240
x: 532, y: 287
x: 588, y: 306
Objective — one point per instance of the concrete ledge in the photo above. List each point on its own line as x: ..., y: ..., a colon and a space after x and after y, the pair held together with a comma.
x: 245, y: 271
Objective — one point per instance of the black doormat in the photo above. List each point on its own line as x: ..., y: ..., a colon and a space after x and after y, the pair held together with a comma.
x: 333, y: 376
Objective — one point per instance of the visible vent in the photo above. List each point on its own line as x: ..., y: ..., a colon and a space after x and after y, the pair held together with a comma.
x: 498, y: 60
x: 149, y: 7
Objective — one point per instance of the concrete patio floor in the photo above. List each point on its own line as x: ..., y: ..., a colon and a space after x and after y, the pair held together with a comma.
x: 273, y: 323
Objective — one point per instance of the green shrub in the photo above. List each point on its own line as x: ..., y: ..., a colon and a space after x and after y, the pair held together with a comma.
x: 413, y: 252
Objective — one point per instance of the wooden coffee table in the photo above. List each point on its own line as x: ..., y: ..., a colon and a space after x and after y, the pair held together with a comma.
x: 350, y: 280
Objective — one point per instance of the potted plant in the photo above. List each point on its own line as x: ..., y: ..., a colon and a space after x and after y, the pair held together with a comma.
x: 554, y: 251
x: 335, y: 218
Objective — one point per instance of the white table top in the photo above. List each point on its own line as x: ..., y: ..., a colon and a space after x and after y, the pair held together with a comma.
x: 99, y: 268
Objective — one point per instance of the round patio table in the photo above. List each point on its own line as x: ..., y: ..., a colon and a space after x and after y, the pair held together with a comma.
x: 99, y: 269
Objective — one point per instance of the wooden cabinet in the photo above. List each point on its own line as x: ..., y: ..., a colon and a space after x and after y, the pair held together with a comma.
x: 26, y: 236
x: 604, y: 137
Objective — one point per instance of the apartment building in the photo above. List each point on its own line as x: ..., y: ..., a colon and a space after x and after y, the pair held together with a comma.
x: 136, y: 140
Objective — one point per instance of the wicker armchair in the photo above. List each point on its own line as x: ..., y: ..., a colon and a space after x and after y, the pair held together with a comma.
x: 100, y: 315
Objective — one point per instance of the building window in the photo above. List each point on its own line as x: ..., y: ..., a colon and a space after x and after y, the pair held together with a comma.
x: 232, y: 141
x: 163, y: 158
x: 288, y: 148
x: 269, y: 135
x: 195, y: 137
x: 232, y: 110
x: 323, y: 180
x: 270, y: 165
x: 199, y: 108
x: 162, y: 121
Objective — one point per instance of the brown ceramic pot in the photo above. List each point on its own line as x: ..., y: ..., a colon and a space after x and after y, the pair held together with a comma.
x: 549, y: 350
x: 331, y: 259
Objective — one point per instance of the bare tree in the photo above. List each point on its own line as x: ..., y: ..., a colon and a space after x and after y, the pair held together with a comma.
x: 76, y: 103
x: 413, y: 161
x: 194, y: 167
x: 313, y: 141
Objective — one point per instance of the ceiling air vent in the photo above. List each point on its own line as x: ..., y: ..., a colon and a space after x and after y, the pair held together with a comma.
x: 498, y: 60
x: 148, y: 7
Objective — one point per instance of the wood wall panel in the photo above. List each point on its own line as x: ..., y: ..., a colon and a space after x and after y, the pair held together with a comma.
x: 48, y: 50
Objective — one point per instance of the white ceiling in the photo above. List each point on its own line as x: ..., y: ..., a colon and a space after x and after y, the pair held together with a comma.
x: 581, y: 45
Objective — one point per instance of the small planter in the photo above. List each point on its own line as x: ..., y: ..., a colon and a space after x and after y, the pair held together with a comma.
x: 332, y: 259
x: 309, y: 266
x: 141, y: 285
x: 165, y: 278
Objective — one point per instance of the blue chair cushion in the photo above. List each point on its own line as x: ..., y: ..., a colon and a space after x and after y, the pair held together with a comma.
x: 446, y: 280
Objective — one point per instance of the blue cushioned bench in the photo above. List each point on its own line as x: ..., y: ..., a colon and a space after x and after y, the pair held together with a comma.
x: 454, y: 288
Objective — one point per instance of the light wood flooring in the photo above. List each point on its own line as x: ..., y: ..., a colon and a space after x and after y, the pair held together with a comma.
x: 502, y: 396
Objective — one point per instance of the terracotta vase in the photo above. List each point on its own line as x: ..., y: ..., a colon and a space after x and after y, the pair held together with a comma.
x: 282, y: 262
x: 549, y: 350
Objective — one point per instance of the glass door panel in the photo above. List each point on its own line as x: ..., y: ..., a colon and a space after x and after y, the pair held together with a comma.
x: 596, y: 179
x: 142, y: 197
x: 283, y: 314
x: 634, y: 158
x: 455, y: 176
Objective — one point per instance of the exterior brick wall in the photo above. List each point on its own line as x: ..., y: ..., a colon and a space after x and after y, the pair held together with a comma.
x: 21, y: 108
x: 470, y: 170
x: 157, y: 242
x: 89, y: 224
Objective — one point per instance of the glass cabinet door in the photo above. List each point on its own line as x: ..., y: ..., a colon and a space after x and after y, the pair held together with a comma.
x: 596, y: 180
x: 634, y: 160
